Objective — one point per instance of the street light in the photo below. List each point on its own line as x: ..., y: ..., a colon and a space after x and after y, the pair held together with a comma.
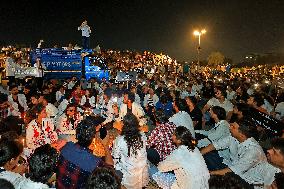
x: 199, y: 33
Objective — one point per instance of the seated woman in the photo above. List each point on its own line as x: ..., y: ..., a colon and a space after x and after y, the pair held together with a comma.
x: 40, y: 131
x: 220, y: 129
x: 190, y: 170
x: 129, y: 153
x: 68, y: 121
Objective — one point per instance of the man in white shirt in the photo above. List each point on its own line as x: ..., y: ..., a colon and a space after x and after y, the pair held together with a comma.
x: 86, y: 30
x: 220, y: 100
x: 130, y: 105
x: 182, y: 118
x: 18, y: 101
x: 51, y: 110
x: 243, y: 155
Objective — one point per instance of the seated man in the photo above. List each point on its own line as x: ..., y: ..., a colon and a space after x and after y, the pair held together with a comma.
x: 276, y: 158
x: 104, y: 178
x: 76, y: 161
x: 129, y: 105
x: 181, y: 117
x: 243, y: 155
x: 160, y: 143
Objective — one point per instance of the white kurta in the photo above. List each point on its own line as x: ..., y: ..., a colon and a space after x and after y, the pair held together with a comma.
x: 22, y: 101
x: 21, y: 182
x: 182, y: 118
x: 37, y: 136
x: 92, y: 101
x: 247, y: 160
x: 134, y: 168
x: 137, y: 110
x: 279, y: 110
x: 227, y: 105
x: 189, y: 167
x: 219, y: 131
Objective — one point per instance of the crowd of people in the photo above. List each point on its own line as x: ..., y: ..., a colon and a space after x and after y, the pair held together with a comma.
x: 173, y: 130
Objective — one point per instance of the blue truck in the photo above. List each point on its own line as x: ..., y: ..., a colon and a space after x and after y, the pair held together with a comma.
x: 61, y: 64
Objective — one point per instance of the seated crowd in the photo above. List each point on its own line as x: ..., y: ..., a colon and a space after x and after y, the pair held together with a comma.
x: 174, y: 134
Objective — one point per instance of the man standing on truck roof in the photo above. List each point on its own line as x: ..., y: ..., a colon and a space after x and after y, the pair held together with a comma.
x: 86, y: 30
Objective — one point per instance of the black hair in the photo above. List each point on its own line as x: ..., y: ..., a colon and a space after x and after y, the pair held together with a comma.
x: 220, y: 112
x: 278, y: 143
x: 85, y: 132
x: 279, y: 177
x: 108, y: 92
x: 131, y: 96
x: 9, y: 149
x: 248, y: 128
x: 42, y: 163
x: 164, y: 99
x: 258, y: 99
x: 47, y: 97
x: 229, y: 180
x: 184, y: 135
x: 160, y: 116
x: 131, y: 133
x: 193, y: 100
x: 9, y: 135
x: 45, y: 88
x: 35, y: 94
x: 242, y: 107
x: 77, y: 84
x: 93, y: 92
x: 223, y: 91
x: 38, y: 108
x: 181, y: 104
x: 70, y: 105
x: 104, y: 178
x: 12, y: 86
x: 68, y: 94
x: 5, y: 184
x: 11, y: 123
x: 3, y: 98
x: 28, y: 87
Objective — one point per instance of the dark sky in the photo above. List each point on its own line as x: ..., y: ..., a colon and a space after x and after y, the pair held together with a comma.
x: 234, y: 28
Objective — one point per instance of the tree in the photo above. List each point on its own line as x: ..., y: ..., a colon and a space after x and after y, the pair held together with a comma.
x: 215, y: 59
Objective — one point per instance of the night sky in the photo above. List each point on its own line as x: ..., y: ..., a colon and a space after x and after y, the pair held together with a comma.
x: 234, y: 28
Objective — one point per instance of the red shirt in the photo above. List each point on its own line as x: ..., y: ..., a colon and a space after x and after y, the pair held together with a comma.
x: 161, y: 139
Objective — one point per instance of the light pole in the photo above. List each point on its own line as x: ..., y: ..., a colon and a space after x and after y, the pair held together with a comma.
x: 199, y: 33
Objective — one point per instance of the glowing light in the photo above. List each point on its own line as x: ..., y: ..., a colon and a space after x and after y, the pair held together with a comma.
x: 196, y: 33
